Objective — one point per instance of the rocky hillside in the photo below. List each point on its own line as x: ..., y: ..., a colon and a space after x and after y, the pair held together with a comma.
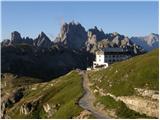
x: 55, y: 99
x: 148, y: 42
x: 130, y: 89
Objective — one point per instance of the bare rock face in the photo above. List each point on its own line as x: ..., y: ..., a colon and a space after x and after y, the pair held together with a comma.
x: 28, y: 40
x: 148, y: 42
x: 94, y: 35
x: 72, y: 35
x: 50, y: 109
x: 42, y: 41
x: 84, y: 115
x: 46, y: 108
x: 5, y: 42
x: 9, y: 99
x: 97, y: 40
x: 99, y: 33
x: 16, y: 37
x: 141, y: 105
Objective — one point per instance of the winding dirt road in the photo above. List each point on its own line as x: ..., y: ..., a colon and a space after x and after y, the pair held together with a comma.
x: 88, y: 99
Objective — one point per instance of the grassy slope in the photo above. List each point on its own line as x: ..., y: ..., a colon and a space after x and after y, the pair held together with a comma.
x: 121, y: 78
x: 64, y: 91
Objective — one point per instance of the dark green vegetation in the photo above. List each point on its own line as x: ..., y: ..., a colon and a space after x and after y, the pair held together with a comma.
x: 122, y: 77
x: 59, y: 95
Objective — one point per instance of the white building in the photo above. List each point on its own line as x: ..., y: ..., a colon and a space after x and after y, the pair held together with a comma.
x: 109, y: 56
x: 100, y: 60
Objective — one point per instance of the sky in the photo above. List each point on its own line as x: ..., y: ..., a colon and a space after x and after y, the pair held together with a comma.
x: 30, y: 18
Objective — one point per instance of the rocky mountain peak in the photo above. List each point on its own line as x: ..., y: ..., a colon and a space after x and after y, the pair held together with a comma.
x: 72, y: 35
x: 42, y: 34
x: 16, y: 37
x: 95, y: 31
x: 148, y: 42
x: 42, y: 41
x: 152, y: 36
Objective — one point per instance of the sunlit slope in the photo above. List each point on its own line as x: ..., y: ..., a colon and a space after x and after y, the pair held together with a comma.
x: 129, y: 89
x: 121, y: 78
x: 55, y: 99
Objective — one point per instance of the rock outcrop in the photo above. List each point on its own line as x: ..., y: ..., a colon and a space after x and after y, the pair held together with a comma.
x: 8, y: 99
x: 29, y: 106
x: 42, y: 41
x: 146, y: 101
x: 5, y: 42
x: 98, y: 40
x: 16, y: 37
x: 141, y: 105
x: 84, y: 115
x: 51, y: 109
x: 100, y: 35
x: 72, y: 35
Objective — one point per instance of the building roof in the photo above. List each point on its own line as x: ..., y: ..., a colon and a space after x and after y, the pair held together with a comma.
x: 100, y: 52
x: 114, y: 50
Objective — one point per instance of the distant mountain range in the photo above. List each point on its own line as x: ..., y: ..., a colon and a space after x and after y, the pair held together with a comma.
x: 74, y: 36
x: 148, y: 42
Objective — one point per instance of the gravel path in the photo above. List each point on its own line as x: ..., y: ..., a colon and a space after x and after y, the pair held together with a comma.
x: 88, y: 99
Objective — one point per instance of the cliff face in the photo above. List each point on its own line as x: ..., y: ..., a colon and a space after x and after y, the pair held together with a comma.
x: 98, y: 40
x: 72, y: 35
x: 42, y: 41
x: 17, y: 39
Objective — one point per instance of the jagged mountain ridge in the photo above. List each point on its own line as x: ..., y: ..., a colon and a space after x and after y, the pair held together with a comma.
x: 41, y: 41
x: 74, y: 36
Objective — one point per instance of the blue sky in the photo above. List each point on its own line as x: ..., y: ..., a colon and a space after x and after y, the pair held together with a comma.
x: 30, y: 18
